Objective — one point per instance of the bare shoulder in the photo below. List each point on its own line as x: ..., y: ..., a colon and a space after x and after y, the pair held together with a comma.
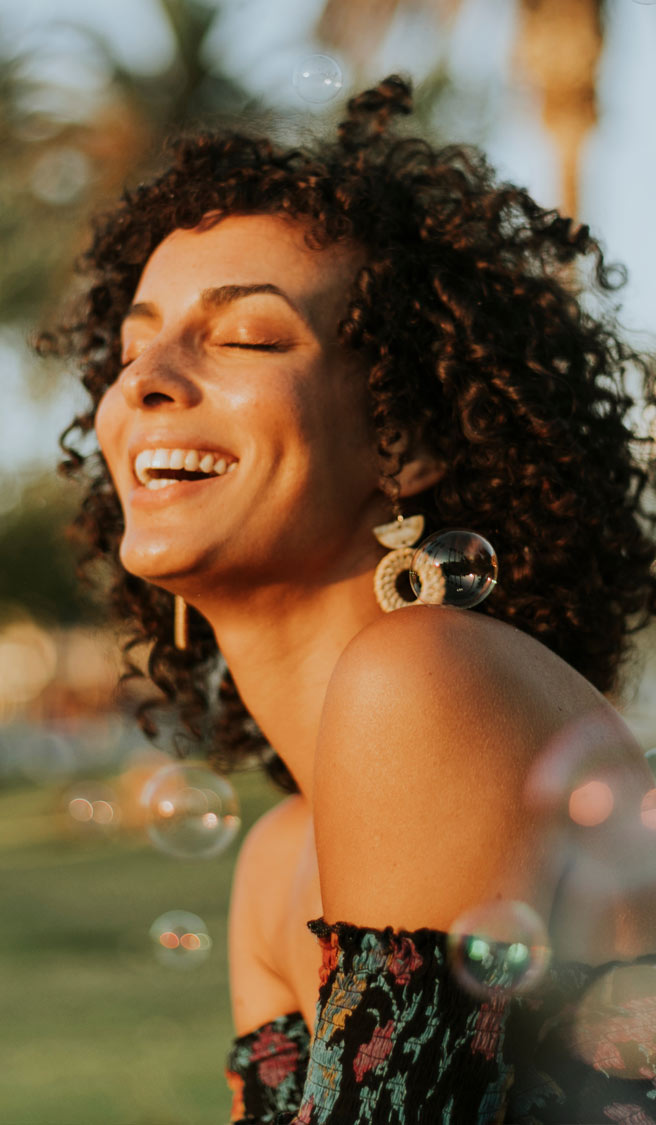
x: 273, y: 836
x: 258, y: 990
x: 432, y: 721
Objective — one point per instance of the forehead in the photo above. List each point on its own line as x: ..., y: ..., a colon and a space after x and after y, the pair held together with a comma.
x: 246, y: 250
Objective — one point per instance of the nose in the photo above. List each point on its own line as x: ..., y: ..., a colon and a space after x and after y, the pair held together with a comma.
x: 156, y: 380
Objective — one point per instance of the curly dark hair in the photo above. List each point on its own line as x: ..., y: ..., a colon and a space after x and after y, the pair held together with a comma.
x: 469, y: 316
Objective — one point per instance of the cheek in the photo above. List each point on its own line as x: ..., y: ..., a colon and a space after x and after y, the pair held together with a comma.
x: 108, y: 425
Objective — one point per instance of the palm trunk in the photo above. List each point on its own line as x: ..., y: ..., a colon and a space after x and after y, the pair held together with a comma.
x: 558, y: 47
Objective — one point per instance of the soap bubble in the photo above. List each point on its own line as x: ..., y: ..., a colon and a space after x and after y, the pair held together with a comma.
x: 587, y: 783
x: 191, y: 811
x: 614, y: 1029
x: 317, y: 78
x: 499, y: 947
x: 457, y: 568
x: 181, y: 939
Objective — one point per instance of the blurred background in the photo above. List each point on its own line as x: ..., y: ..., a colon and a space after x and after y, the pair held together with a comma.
x: 114, y: 907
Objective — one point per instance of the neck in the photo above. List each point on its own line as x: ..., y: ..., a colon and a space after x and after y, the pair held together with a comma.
x: 281, y: 646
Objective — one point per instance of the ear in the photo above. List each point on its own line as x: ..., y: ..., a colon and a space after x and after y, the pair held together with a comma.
x: 419, y: 473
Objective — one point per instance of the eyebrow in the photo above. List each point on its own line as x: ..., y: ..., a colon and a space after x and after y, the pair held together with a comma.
x: 219, y: 296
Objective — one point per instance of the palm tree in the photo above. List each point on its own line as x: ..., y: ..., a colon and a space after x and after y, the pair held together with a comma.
x: 558, y: 48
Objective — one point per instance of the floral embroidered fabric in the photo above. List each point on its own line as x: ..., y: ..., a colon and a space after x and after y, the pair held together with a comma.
x: 398, y: 1041
x: 266, y: 1070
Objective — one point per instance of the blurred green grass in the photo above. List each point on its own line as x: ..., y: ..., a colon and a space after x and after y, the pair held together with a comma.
x: 95, y: 1031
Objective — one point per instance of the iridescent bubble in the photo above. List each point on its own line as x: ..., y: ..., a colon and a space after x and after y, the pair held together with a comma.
x: 317, y: 78
x: 650, y: 758
x: 191, y: 811
x: 181, y: 939
x: 457, y: 568
x: 614, y: 1029
x: 586, y: 781
x: 499, y: 946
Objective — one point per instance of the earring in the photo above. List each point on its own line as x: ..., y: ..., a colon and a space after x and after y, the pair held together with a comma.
x: 180, y: 623
x: 400, y: 535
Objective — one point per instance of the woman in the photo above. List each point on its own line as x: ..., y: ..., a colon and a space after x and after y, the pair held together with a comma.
x: 286, y: 350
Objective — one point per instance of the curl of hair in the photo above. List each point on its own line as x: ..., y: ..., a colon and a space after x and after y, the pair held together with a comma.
x: 469, y: 319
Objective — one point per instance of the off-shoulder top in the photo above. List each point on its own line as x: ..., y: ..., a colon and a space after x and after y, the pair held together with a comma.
x: 399, y: 1041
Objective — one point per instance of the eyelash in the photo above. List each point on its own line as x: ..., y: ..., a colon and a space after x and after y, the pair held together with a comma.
x: 278, y: 346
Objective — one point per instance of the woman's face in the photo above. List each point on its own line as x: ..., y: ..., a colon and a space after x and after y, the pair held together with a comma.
x: 231, y: 355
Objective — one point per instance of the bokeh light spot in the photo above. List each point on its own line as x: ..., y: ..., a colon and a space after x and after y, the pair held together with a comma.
x: 80, y: 809
x: 591, y: 803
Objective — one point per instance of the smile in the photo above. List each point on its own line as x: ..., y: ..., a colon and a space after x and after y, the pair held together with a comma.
x: 157, y: 468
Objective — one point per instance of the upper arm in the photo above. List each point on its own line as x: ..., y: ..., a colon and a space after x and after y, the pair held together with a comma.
x: 258, y: 993
x: 418, y: 775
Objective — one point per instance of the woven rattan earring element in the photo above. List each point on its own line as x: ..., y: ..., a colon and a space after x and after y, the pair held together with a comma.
x: 180, y: 623
x: 400, y: 534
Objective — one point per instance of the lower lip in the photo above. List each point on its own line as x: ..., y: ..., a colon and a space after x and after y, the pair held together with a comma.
x: 142, y: 497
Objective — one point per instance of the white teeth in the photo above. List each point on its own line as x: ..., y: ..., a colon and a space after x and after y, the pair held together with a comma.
x: 161, y: 459
x: 193, y: 460
x: 141, y: 464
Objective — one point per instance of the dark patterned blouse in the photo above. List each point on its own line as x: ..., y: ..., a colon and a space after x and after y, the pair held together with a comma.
x: 398, y: 1041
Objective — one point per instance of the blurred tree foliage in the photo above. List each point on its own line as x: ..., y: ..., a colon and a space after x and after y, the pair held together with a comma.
x: 66, y: 153
x: 37, y: 563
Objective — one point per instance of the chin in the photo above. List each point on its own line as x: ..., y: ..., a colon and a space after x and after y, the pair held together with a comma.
x: 157, y: 562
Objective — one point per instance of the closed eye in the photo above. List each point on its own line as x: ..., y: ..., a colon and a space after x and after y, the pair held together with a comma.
x: 278, y: 346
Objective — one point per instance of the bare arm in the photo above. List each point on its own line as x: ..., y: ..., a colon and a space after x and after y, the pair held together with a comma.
x: 258, y: 992
x: 427, y: 736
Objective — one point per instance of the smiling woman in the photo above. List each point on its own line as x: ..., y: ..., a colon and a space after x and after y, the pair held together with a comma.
x: 297, y: 358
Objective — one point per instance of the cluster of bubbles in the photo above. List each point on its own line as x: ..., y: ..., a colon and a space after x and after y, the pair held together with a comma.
x: 499, y: 947
x: 188, y: 811
x: 455, y: 567
x: 191, y: 813
x: 317, y: 79
x: 180, y: 939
